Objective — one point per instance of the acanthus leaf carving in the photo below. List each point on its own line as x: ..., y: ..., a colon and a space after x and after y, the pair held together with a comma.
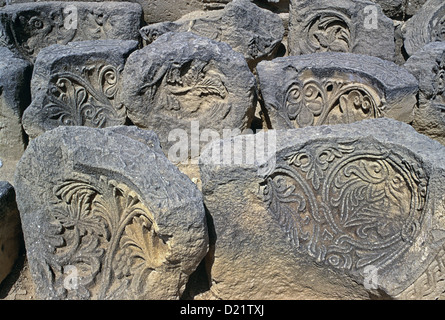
x: 107, y: 233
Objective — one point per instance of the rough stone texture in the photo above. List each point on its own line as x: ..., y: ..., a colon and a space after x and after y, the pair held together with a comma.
x: 427, y: 25
x: 76, y: 85
x: 183, y: 78
x: 15, y: 74
x: 428, y: 66
x: 106, y: 216
x: 357, y: 26
x: 343, y: 211
x: 248, y: 29
x: 10, y: 233
x: 335, y: 88
x: 29, y: 27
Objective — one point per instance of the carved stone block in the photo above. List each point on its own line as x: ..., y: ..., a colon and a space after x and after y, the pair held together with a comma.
x: 428, y: 66
x: 427, y: 25
x: 338, y: 211
x: 248, y: 29
x: 183, y: 78
x: 77, y: 85
x: 335, y: 88
x: 106, y: 216
x: 355, y: 26
x: 29, y: 27
x: 10, y: 231
x: 15, y: 75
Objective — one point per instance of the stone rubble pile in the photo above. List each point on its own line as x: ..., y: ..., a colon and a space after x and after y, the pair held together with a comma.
x: 224, y: 149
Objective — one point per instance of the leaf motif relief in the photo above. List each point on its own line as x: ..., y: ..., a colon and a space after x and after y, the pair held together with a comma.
x: 347, y: 205
x: 86, y: 99
x: 329, y: 32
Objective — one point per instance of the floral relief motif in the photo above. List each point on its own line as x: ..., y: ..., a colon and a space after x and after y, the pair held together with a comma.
x: 108, y: 234
x: 347, y: 205
x: 313, y: 101
x: 85, y: 98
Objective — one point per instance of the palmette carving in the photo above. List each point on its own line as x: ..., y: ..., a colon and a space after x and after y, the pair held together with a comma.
x: 348, y: 205
x: 106, y: 232
x: 313, y: 101
x: 85, y: 98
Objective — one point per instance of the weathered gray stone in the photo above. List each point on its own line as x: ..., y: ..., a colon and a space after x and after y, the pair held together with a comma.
x: 337, y: 212
x: 77, y: 85
x: 428, y: 66
x: 106, y: 216
x: 335, y: 88
x: 355, y: 26
x: 181, y: 79
x: 15, y: 76
x: 248, y: 29
x: 10, y: 231
x: 28, y: 27
x: 427, y: 25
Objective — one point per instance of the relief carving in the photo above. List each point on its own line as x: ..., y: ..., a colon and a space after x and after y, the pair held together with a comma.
x: 327, y: 31
x: 107, y: 233
x: 314, y: 101
x: 86, y: 98
x: 187, y: 88
x: 348, y: 205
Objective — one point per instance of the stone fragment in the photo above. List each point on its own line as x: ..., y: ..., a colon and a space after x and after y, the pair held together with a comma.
x: 15, y: 76
x: 248, y: 29
x: 428, y: 66
x: 183, y: 83
x: 335, y: 88
x: 106, y: 216
x: 338, y: 211
x: 29, y: 27
x: 77, y: 85
x: 354, y: 26
x: 427, y: 25
x: 10, y: 231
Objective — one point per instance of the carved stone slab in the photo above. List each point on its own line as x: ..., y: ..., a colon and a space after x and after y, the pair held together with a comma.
x: 29, y: 27
x: 427, y: 25
x: 15, y: 75
x: 10, y: 231
x: 181, y: 78
x: 335, y: 88
x: 340, y: 26
x: 428, y: 66
x: 106, y: 216
x: 77, y: 85
x: 248, y: 29
x: 338, y: 211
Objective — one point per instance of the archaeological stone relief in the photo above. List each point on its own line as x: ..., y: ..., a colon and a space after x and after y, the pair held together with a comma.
x: 220, y: 150
x: 89, y: 210
x: 335, y: 88
x: 427, y: 25
x: 183, y: 78
x: 340, y: 26
x: 77, y: 85
x: 248, y: 29
x: 428, y: 65
x: 29, y: 27
x: 335, y: 197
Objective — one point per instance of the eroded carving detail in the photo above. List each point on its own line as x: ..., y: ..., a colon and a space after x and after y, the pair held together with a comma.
x: 107, y: 233
x: 430, y: 285
x: 85, y: 98
x: 327, y: 31
x: 312, y: 101
x: 347, y: 204
x: 186, y: 88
